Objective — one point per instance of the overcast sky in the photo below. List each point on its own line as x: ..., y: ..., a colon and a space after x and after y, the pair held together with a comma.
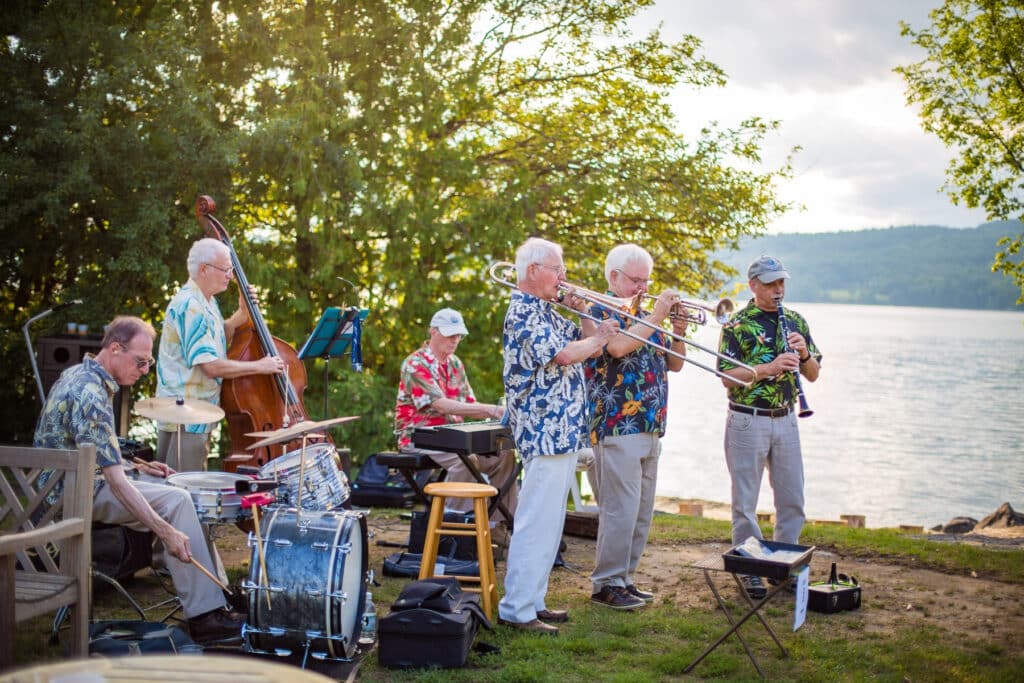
x: 824, y: 68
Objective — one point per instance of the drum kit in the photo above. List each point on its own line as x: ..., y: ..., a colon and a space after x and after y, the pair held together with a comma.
x: 308, y: 570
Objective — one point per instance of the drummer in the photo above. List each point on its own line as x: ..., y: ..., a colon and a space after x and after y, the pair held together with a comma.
x: 80, y: 410
x: 434, y: 390
x: 193, y: 351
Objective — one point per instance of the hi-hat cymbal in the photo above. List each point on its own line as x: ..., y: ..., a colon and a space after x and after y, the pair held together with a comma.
x: 179, y: 410
x: 296, y: 430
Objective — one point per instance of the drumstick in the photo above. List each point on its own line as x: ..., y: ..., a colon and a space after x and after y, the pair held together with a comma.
x: 259, y: 549
x: 209, y: 575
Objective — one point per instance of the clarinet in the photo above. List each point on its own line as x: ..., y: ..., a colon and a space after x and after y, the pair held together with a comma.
x: 805, y: 410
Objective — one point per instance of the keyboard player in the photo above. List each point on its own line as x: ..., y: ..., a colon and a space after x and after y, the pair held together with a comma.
x: 434, y: 390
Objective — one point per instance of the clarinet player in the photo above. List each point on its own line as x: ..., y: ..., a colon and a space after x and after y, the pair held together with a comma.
x: 761, y: 428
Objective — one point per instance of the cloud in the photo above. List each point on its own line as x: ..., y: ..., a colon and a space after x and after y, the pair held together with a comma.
x: 824, y: 69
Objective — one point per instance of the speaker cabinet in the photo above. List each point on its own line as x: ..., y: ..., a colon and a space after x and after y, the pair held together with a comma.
x: 57, y: 354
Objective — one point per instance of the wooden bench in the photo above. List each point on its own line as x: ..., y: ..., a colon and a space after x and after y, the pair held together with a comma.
x: 45, y: 551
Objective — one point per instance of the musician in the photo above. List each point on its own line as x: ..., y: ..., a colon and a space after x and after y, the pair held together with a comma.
x: 433, y: 389
x: 761, y: 427
x: 547, y: 405
x: 193, y: 351
x: 80, y: 410
x: 628, y: 389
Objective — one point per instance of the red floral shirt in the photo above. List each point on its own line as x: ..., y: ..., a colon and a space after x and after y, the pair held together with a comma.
x: 424, y: 379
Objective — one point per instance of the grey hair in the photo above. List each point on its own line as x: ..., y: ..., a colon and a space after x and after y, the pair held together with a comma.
x: 204, y: 251
x: 124, y: 328
x: 534, y: 250
x: 624, y: 254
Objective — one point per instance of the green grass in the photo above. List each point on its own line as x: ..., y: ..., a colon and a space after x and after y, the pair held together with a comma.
x: 879, y: 642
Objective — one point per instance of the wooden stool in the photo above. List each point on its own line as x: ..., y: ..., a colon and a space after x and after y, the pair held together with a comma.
x: 480, y: 528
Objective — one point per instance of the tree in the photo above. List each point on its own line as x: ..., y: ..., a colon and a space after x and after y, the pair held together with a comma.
x: 970, y: 88
x: 407, y: 145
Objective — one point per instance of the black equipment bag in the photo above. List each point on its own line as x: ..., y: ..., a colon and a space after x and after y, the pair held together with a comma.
x: 432, y: 624
x: 117, y: 638
x: 459, y: 547
x: 840, y: 592
x: 119, y: 552
x: 377, y: 485
x: 408, y: 564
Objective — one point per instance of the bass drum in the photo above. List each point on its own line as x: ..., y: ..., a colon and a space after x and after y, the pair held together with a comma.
x: 316, y: 568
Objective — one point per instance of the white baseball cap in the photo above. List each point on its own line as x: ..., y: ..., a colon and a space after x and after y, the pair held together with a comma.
x: 448, y: 321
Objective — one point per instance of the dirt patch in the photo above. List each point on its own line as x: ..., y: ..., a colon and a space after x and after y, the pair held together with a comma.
x: 895, y: 596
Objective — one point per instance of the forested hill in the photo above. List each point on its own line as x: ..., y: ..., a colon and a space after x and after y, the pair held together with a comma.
x: 904, y: 266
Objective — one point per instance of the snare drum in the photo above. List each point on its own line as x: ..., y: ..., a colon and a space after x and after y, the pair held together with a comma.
x: 325, y: 486
x: 316, y: 577
x: 213, y: 494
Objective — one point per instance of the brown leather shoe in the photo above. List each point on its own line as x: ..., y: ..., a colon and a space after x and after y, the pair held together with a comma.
x: 535, y: 626
x: 214, y: 626
x: 553, y: 616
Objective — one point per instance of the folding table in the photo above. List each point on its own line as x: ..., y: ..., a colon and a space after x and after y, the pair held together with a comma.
x: 715, y: 563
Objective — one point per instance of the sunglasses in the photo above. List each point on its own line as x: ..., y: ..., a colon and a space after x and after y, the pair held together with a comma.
x: 140, y: 363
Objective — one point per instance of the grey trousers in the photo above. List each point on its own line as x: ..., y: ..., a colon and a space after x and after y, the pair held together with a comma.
x: 751, y: 444
x: 497, y: 468
x: 627, y: 472
x: 195, y: 448
x: 198, y: 594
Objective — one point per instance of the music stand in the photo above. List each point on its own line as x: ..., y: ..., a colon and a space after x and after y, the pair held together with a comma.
x: 334, y: 334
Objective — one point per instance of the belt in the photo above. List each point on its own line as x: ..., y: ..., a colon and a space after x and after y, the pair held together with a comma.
x: 763, y: 412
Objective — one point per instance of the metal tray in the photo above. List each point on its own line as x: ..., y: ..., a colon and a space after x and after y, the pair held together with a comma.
x: 739, y: 564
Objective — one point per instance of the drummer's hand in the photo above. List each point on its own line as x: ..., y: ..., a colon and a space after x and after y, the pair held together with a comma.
x: 176, y: 543
x: 156, y: 469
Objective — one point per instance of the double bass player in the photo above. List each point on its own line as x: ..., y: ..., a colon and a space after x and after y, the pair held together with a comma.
x: 193, y: 359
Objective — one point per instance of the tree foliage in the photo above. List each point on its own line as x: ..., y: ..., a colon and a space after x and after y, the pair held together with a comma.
x: 970, y: 88
x: 402, y: 146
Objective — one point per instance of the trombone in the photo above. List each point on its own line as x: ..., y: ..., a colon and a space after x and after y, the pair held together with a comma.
x: 695, y: 312
x: 616, y: 305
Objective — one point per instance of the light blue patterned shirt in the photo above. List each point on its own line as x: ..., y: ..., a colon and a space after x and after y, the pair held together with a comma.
x: 80, y: 410
x: 193, y: 334
x: 547, y: 402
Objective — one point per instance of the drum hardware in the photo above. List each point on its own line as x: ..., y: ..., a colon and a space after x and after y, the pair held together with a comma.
x: 324, y: 484
x: 179, y: 411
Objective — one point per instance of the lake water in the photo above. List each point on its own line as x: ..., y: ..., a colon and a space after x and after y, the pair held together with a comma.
x: 918, y: 417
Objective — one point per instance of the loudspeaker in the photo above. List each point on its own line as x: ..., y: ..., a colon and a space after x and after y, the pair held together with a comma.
x: 57, y: 354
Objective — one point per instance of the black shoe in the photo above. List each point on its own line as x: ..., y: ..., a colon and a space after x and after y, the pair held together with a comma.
x: 646, y: 596
x: 789, y: 587
x: 754, y: 587
x: 214, y: 626
x: 616, y: 597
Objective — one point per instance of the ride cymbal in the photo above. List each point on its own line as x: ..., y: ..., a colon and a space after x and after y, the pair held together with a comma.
x: 296, y: 430
x: 179, y: 410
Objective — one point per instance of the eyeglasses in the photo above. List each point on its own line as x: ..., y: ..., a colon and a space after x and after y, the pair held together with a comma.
x: 559, y: 270
x: 229, y: 270
x: 634, y: 280
x: 140, y: 363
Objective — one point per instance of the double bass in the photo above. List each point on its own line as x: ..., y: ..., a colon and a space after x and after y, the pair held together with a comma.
x: 255, y: 403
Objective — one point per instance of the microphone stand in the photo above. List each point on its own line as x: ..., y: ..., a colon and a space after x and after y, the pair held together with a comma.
x: 32, y: 353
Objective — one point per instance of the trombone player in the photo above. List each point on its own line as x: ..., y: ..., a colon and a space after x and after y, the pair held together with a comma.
x: 628, y: 389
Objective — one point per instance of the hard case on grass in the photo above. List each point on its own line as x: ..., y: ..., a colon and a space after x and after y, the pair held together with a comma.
x: 432, y: 624
x: 839, y: 593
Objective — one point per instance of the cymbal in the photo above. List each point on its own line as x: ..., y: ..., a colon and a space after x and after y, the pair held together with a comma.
x: 179, y: 410
x: 296, y: 430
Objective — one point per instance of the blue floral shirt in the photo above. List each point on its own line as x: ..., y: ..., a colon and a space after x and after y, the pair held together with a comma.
x: 629, y: 395
x: 546, y: 402
x: 193, y: 334
x: 80, y: 410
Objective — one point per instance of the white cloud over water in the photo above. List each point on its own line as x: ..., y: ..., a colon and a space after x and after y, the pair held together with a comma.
x: 824, y: 68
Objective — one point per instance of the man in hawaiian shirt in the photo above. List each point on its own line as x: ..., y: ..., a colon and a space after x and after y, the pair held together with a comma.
x: 628, y: 389
x: 80, y: 410
x: 761, y: 428
x: 433, y: 390
x: 193, y: 351
x: 547, y: 406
